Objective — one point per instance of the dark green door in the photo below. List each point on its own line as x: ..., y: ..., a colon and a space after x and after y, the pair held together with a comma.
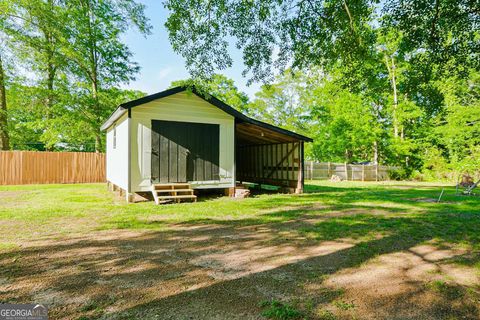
x: 184, y: 151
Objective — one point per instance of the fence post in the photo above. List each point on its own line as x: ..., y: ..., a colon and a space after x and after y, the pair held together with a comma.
x: 307, y: 170
x: 346, y: 171
x: 376, y: 172
x: 329, y: 176
x: 311, y: 170
x: 363, y: 173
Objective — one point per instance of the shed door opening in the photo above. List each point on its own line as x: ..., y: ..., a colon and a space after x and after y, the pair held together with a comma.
x: 184, y: 151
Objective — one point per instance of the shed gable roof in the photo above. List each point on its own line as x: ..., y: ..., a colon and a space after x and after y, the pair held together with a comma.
x: 239, y: 117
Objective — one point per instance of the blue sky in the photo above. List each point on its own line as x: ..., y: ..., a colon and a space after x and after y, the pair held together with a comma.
x: 160, y: 65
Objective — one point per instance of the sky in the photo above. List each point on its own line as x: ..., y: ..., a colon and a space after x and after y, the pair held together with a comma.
x: 160, y: 65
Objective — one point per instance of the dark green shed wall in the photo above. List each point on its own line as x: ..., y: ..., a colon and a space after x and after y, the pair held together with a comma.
x: 184, y: 151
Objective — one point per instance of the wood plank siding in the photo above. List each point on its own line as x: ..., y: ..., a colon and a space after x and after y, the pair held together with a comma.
x: 188, y: 108
x: 117, y: 153
x: 183, y: 152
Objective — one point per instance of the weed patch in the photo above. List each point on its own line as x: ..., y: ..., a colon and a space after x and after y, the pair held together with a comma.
x: 280, y: 311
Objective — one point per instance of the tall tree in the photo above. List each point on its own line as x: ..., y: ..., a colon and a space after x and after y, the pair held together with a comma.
x: 74, y: 58
x: 300, y: 33
x: 75, y: 132
x: 24, y: 132
x: 459, y: 127
x: 37, y: 28
x: 4, y: 137
x: 97, y: 57
x: 220, y: 87
x: 303, y: 33
x: 5, y: 9
x: 445, y: 29
x: 345, y: 125
x: 279, y: 103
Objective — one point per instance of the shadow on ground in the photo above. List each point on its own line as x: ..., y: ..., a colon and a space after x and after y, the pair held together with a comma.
x: 333, y: 253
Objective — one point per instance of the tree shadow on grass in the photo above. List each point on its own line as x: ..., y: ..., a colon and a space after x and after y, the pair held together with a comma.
x: 277, y: 208
x: 223, y: 268
x: 347, y: 214
x: 236, y: 298
x: 188, y: 272
x: 321, y: 199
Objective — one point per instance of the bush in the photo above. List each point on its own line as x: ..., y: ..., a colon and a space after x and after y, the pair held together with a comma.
x: 399, y: 174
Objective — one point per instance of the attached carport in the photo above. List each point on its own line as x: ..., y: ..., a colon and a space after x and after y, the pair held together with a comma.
x: 266, y: 154
x: 173, y: 137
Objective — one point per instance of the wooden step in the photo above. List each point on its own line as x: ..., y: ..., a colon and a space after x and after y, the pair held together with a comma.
x: 162, y: 199
x: 184, y: 196
x: 173, y: 190
x: 171, y: 186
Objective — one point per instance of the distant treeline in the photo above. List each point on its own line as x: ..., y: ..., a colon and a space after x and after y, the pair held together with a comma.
x: 61, y: 64
x: 390, y: 82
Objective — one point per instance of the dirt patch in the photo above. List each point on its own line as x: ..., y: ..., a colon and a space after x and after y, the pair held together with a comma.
x: 10, y: 199
x: 11, y: 194
x: 398, y: 284
x: 224, y: 272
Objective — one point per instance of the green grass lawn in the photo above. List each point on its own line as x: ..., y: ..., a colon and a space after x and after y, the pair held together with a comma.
x: 382, y: 208
x: 362, y: 228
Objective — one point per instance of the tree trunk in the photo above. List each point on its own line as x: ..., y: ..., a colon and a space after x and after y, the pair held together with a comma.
x: 393, y: 80
x: 395, y: 100
x: 50, y: 80
x: 50, y: 99
x: 98, y: 139
x: 348, y: 155
x: 94, y: 78
x: 50, y: 44
x: 375, y: 152
x: 98, y: 142
x: 51, y: 70
x: 96, y: 107
x: 4, y: 138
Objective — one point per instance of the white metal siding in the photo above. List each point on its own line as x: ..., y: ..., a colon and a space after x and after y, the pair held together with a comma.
x: 185, y: 107
x: 117, y: 159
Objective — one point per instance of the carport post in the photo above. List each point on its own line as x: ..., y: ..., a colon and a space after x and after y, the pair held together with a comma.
x: 346, y: 172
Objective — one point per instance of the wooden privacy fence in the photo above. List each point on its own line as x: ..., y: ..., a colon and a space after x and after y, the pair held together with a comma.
x: 31, y: 167
x: 350, y: 172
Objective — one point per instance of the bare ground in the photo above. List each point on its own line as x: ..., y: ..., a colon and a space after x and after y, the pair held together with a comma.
x: 209, y: 271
